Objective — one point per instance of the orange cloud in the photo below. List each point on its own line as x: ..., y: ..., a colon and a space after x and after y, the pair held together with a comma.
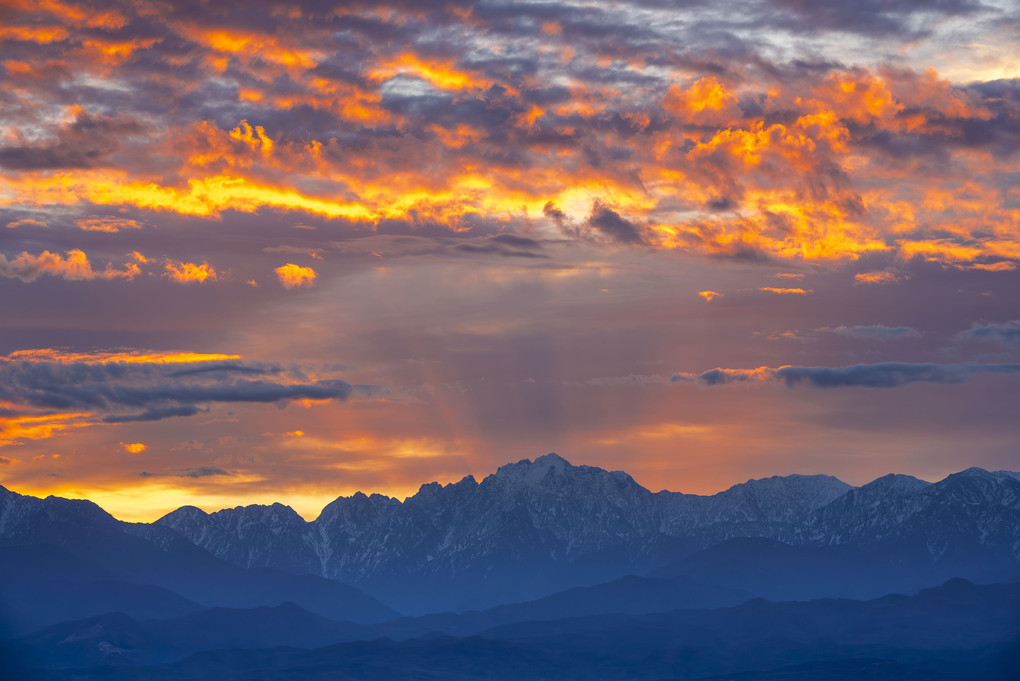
x: 203, y: 196
x: 443, y: 75
x: 251, y: 46
x: 879, y: 278
x: 126, y: 357
x: 705, y: 100
x: 188, y: 272
x: 461, y: 136
x: 110, y: 225
x: 786, y: 291
x: 256, y: 140
x: 709, y: 295
x: 73, y: 266
x: 133, y: 447
x: 111, y: 53
x: 15, y: 429
x: 34, y: 34
x: 26, y: 222
x: 295, y: 276
x: 860, y: 98
x: 80, y: 15
x: 1001, y: 266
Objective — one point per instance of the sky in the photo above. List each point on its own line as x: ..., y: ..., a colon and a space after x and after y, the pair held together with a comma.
x: 284, y: 251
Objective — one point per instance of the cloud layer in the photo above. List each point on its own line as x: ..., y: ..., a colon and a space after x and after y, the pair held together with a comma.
x: 629, y: 124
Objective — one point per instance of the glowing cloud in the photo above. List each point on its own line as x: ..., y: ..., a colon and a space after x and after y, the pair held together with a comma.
x: 879, y: 278
x: 35, y: 424
x: 73, y: 266
x: 295, y: 276
x: 709, y: 295
x: 188, y: 272
x: 111, y: 225
x: 25, y: 222
x: 122, y: 356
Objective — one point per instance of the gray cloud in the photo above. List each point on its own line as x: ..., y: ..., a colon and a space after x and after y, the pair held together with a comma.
x: 156, y: 414
x: 1007, y: 333
x: 870, y: 17
x: 877, y: 332
x: 879, y: 375
x: 611, y: 224
x: 203, y: 472
x: 87, y: 142
x: 129, y: 392
x: 506, y: 245
x: 630, y: 379
x: 230, y: 367
x: 197, y: 472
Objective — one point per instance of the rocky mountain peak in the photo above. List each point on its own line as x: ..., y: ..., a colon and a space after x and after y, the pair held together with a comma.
x: 896, y: 483
x: 530, y: 472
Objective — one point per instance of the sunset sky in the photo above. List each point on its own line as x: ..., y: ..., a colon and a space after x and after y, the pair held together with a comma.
x: 284, y: 251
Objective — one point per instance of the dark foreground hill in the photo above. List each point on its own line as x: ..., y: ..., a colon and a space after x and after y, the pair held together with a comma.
x: 957, y: 631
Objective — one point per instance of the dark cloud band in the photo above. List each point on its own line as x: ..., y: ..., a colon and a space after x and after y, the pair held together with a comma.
x: 879, y: 375
x: 128, y: 392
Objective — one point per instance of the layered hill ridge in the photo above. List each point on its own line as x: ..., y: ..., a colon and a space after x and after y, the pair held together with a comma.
x: 958, y: 631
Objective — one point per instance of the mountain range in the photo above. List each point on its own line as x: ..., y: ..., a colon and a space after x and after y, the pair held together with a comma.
x: 543, y: 561
x: 536, y: 527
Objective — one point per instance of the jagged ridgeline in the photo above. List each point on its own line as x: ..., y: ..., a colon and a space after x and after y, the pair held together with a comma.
x: 537, y: 527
